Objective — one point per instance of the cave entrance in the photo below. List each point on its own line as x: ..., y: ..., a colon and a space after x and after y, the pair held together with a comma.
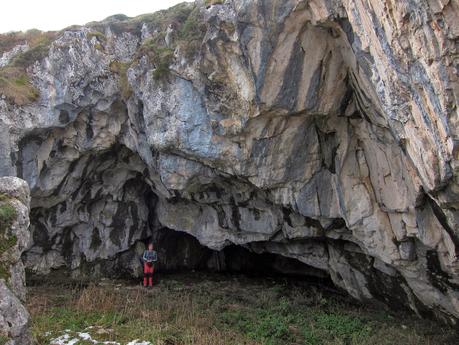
x: 95, y: 221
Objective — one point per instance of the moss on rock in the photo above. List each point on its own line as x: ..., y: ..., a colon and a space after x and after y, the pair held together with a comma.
x: 3, y: 339
x: 7, y: 217
x: 7, y: 241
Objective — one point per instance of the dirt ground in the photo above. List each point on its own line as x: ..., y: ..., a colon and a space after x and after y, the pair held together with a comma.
x: 198, y: 308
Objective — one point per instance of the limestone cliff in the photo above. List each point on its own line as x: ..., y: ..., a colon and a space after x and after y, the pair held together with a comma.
x: 14, y: 238
x: 321, y: 130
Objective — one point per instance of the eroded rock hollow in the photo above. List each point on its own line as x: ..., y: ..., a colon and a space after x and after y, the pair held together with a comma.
x: 323, y: 131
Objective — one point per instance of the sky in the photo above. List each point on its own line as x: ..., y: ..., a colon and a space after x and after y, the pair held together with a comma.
x: 21, y: 15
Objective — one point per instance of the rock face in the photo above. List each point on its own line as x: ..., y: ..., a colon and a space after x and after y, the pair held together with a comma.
x: 14, y: 238
x: 322, y: 130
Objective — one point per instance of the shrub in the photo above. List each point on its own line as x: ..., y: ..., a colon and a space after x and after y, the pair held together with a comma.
x: 192, y: 32
x: 33, y: 54
x: 159, y: 55
x: 7, y: 217
x: 33, y: 37
x: 121, y: 68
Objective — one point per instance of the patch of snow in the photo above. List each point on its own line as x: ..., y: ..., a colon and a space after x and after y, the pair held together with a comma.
x: 64, y: 340
x: 138, y: 342
x: 68, y: 339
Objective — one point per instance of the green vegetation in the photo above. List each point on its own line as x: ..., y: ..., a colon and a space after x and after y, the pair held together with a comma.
x: 7, y: 241
x: 188, y: 33
x: 188, y: 36
x: 221, y: 310
x: 36, y: 52
x: 192, y: 32
x: 100, y: 37
x: 121, y: 68
x: 7, y: 215
x: 16, y: 86
x: 4, y: 272
x: 14, y: 81
x: 159, y: 20
x: 160, y: 55
x: 3, y: 339
x: 214, y: 2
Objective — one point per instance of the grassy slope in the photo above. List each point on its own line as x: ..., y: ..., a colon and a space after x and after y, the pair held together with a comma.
x: 223, y: 310
x: 15, y: 83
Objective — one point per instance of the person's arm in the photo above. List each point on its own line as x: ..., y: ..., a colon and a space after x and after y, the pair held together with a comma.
x: 144, y: 258
x: 155, y: 256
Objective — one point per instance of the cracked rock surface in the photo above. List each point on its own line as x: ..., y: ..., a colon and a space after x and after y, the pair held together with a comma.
x: 322, y: 130
x: 14, y: 238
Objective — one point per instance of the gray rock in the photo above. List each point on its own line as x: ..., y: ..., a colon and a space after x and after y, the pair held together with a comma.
x: 14, y: 236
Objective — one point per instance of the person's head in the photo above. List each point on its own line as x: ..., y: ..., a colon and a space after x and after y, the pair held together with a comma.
x: 150, y: 246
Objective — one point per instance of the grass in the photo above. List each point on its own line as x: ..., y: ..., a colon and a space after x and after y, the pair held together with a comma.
x: 160, y: 55
x: 121, y: 68
x: 33, y: 37
x: 7, y: 216
x: 98, y: 35
x: 215, y: 309
x: 214, y: 2
x: 15, y: 83
x: 188, y: 36
x: 192, y: 33
x: 101, y: 39
x: 3, y: 339
x: 7, y: 241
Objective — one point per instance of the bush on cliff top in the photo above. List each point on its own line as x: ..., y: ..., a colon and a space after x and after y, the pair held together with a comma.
x: 192, y: 32
x: 188, y: 36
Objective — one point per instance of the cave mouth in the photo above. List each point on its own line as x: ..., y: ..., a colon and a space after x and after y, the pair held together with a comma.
x: 96, y: 222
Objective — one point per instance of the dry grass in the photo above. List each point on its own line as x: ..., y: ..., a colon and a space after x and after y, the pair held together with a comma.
x: 121, y: 68
x: 16, y: 86
x: 221, y: 310
x: 15, y: 83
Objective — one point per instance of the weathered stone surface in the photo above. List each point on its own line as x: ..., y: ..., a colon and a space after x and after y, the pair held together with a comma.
x: 14, y: 238
x: 322, y: 130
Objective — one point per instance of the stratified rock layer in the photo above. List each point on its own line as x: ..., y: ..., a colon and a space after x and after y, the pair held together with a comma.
x: 322, y: 130
x: 14, y: 238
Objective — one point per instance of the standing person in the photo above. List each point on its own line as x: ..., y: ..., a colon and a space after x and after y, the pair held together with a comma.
x: 149, y: 258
